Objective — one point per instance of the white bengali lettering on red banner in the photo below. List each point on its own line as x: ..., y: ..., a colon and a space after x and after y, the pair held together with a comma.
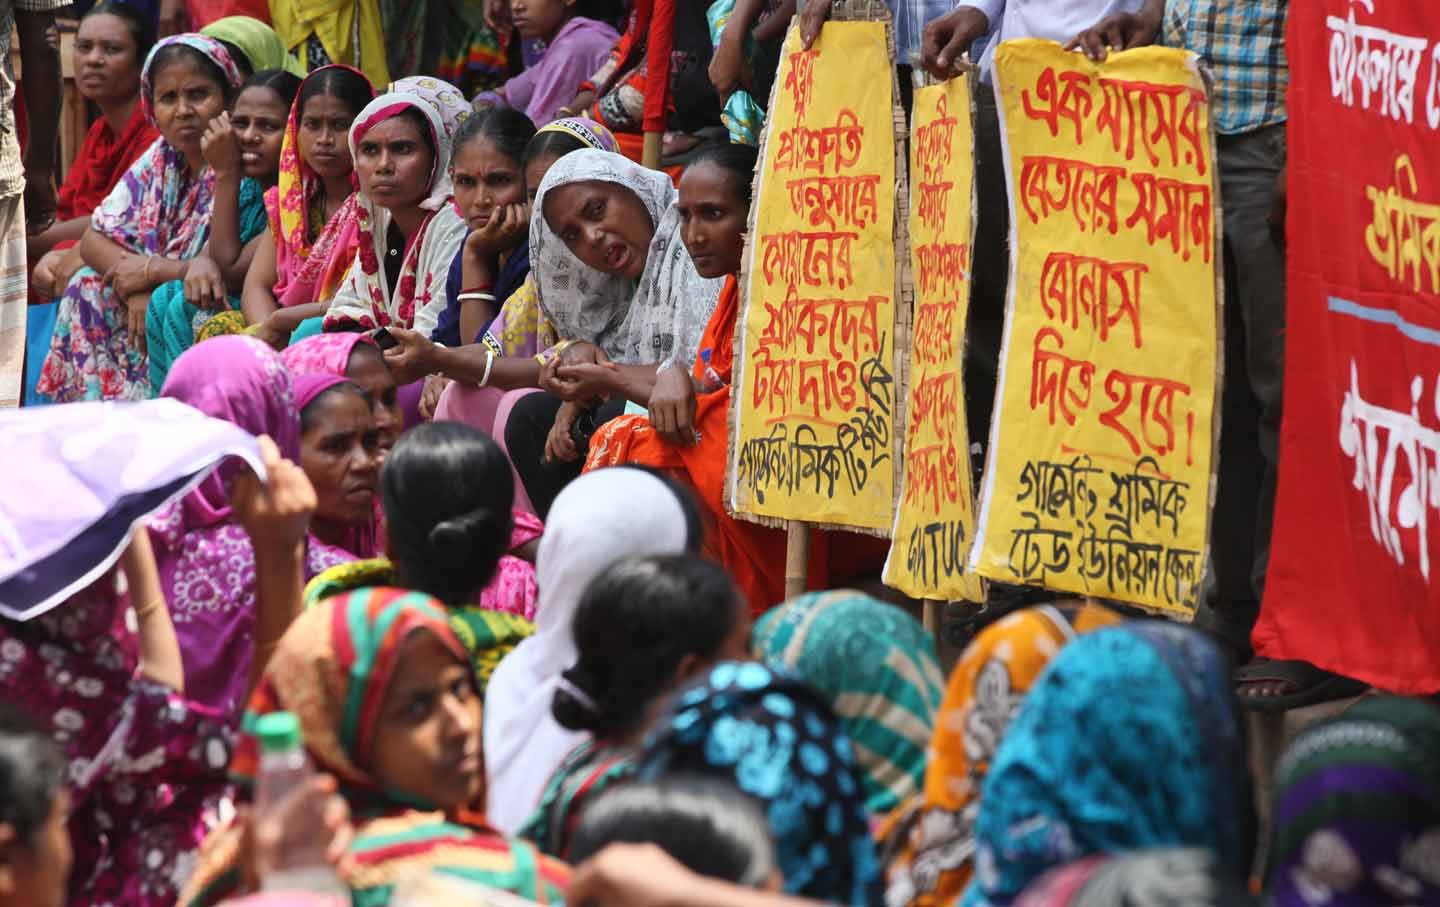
x: 1377, y: 438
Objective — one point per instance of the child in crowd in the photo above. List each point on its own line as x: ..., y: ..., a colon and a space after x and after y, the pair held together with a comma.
x: 35, y: 851
x: 575, y: 42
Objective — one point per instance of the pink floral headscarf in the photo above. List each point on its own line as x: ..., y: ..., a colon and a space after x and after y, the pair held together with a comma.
x: 327, y: 354
x: 209, y: 48
x: 367, y: 300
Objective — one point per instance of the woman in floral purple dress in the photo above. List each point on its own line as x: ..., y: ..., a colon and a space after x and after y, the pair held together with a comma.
x: 207, y: 565
x: 147, y: 765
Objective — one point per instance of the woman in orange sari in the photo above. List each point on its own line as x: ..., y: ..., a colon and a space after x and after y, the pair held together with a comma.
x: 686, y: 429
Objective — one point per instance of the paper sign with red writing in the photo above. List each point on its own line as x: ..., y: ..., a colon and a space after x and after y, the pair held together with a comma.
x: 1099, y: 470
x: 814, y: 397
x: 935, y: 520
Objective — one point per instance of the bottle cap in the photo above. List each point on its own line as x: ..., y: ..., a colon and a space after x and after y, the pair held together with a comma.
x: 278, y: 731
x: 705, y: 355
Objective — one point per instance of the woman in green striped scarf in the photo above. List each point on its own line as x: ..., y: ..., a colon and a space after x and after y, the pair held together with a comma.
x: 876, y: 665
x: 1357, y: 809
x: 382, y: 687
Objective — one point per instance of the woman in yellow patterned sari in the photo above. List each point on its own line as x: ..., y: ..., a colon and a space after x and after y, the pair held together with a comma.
x: 928, y: 844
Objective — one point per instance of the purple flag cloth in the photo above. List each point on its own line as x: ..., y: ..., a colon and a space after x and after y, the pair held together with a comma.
x: 81, y: 475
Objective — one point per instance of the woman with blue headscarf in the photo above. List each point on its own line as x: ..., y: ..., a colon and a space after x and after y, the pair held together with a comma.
x: 778, y: 741
x: 1129, y: 740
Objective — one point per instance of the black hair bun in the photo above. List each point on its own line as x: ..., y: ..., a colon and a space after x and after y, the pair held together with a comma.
x: 574, y: 706
x: 461, y: 535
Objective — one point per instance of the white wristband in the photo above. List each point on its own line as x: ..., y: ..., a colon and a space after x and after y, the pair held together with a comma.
x: 489, y: 364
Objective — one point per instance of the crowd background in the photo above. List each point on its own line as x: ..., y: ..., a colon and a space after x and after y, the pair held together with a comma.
x: 431, y: 383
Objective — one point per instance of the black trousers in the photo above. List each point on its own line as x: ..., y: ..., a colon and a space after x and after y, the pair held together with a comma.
x: 1254, y: 378
x: 990, y: 271
x: 525, y: 433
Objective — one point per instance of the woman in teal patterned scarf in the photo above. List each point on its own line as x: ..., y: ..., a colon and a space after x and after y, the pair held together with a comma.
x: 778, y: 741
x: 876, y: 666
x: 1130, y: 739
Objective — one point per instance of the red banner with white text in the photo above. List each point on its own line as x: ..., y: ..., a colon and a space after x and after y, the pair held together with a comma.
x: 1354, y: 578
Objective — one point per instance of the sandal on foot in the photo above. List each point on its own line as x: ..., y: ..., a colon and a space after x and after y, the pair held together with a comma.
x: 1308, y: 685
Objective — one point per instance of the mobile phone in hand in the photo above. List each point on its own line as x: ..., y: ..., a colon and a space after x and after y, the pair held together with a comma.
x: 384, y: 339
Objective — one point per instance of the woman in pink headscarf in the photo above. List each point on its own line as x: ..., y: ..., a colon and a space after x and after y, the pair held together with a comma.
x: 340, y: 453
x: 356, y: 357
x: 207, y: 567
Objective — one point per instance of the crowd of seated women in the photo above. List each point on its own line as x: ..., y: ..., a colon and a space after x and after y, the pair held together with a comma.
x: 524, y: 276
x: 481, y: 555
x: 643, y: 741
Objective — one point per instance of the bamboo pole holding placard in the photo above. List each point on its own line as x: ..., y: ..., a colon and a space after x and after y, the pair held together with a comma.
x: 931, y: 617
x: 650, y: 157
x: 797, y: 558
x: 659, y: 41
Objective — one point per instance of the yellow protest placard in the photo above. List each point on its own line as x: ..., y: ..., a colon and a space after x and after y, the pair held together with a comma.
x: 814, y: 396
x: 935, y: 519
x: 1098, y: 478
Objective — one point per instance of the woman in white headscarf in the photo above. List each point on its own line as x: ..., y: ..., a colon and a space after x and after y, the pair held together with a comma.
x: 600, y: 518
x: 409, y: 229
x: 614, y: 279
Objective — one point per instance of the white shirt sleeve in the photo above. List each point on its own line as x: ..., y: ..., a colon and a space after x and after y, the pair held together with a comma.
x: 443, y: 239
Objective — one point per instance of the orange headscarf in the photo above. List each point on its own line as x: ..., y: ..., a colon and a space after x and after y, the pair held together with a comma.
x: 929, y: 841
x: 316, y: 269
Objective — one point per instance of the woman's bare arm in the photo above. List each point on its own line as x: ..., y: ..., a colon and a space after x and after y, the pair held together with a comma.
x: 62, y: 231
x: 415, y: 357
x: 257, y: 298
x: 159, y: 648
x: 236, y: 273
x: 276, y: 515
x: 222, y: 153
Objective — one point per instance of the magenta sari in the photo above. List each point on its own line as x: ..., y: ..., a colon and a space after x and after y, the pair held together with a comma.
x: 207, y: 567
x: 147, y: 765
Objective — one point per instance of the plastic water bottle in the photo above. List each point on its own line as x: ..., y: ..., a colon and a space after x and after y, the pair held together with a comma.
x: 713, y: 381
x: 284, y: 769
